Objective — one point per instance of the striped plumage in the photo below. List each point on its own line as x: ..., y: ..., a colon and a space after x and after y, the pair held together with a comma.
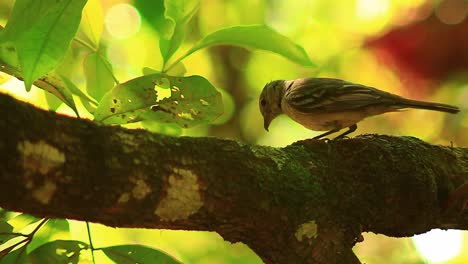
x: 332, y: 104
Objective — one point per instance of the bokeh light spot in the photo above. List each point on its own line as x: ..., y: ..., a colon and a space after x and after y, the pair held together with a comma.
x: 371, y: 9
x: 438, y: 245
x: 452, y: 11
x: 122, y: 21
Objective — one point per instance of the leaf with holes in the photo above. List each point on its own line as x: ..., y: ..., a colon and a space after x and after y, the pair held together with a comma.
x: 192, y: 101
x: 131, y: 254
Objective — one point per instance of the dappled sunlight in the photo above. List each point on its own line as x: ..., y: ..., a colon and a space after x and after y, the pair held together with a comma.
x: 439, y: 245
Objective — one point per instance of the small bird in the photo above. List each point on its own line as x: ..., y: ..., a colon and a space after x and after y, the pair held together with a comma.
x: 326, y: 104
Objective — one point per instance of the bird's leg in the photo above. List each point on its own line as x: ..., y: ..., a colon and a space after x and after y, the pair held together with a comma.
x: 351, y: 129
x: 326, y: 133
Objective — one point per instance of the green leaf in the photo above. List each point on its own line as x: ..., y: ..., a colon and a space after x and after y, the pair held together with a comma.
x: 41, y: 31
x: 153, y: 13
x: 21, y: 221
x: 177, y: 70
x: 165, y: 129
x: 169, y: 18
x: 149, y: 71
x: 92, y: 22
x: 132, y: 254
x: 179, y: 12
x: 193, y: 100
x: 98, y: 72
x: 50, y: 82
x: 8, y: 53
x: 256, y: 37
x: 52, y: 101
x: 54, y: 85
x: 17, y: 256
x: 52, y: 230
x: 5, y: 228
x: 58, y: 251
x: 89, y: 103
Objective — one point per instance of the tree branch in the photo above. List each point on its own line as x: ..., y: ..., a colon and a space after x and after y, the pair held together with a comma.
x: 305, y: 203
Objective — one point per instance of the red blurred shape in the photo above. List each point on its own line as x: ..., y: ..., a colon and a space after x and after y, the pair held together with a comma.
x: 424, y: 52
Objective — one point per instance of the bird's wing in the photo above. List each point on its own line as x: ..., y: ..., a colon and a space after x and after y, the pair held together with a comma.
x: 334, y: 95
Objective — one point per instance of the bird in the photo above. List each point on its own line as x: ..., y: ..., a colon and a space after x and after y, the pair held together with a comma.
x: 328, y: 104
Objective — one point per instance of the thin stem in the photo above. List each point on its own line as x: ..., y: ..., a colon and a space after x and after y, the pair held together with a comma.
x: 190, y: 51
x: 107, y: 64
x: 90, y: 241
x: 12, y: 233
x: 163, y: 66
x: 38, y: 227
x: 29, y: 237
x: 27, y: 240
x: 93, y: 49
x: 86, y: 44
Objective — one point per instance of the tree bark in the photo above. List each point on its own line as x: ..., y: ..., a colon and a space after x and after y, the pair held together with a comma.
x: 305, y: 203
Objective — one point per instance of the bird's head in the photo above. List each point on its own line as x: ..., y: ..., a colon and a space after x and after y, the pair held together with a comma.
x: 270, y: 101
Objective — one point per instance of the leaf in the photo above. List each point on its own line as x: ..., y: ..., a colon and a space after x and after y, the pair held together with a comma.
x: 193, y: 101
x: 21, y: 221
x: 256, y: 37
x: 54, y: 229
x: 98, y: 72
x: 169, y: 18
x: 41, y: 31
x: 153, y: 13
x: 132, y: 254
x: 58, y: 251
x: 17, y: 256
x: 92, y: 22
x: 89, y: 103
x: 149, y: 71
x: 50, y: 82
x: 165, y: 129
x: 52, y: 101
x: 54, y: 85
x: 177, y: 70
x: 5, y: 228
x: 8, y: 53
x: 179, y: 12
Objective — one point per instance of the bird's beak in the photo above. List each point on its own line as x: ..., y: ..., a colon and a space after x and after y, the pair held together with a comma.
x: 266, y: 122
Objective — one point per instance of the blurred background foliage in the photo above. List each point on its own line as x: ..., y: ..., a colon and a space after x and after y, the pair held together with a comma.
x: 417, y: 49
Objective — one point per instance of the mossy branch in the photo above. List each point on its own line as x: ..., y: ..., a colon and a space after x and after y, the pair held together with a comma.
x: 305, y: 203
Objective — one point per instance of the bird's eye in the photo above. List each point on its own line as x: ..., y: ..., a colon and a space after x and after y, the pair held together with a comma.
x: 263, y: 102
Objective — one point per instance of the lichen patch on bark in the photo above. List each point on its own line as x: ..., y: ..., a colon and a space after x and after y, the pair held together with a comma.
x: 182, y: 196
x: 141, y: 189
x: 40, y: 156
x: 306, y: 231
x: 44, y: 193
x: 124, y: 197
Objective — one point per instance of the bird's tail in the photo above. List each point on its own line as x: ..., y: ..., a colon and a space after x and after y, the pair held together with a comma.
x: 407, y: 103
